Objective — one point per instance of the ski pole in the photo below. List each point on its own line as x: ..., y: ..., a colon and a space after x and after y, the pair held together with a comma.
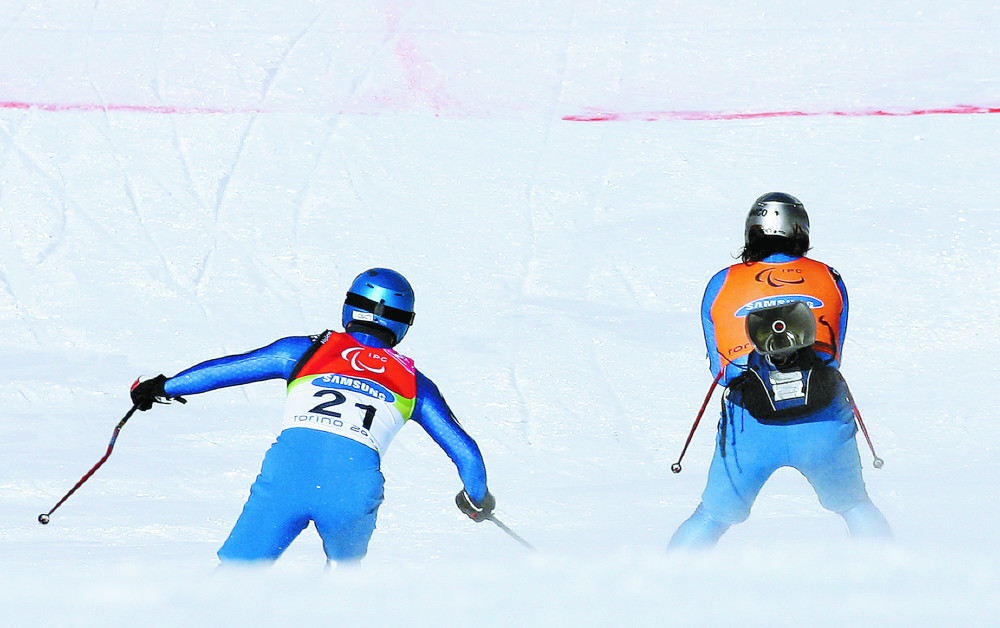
x: 676, y: 467
x: 44, y: 517
x: 877, y: 462
x: 512, y: 534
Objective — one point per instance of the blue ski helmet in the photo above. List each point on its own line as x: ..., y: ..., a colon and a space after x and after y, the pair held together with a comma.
x: 383, y: 297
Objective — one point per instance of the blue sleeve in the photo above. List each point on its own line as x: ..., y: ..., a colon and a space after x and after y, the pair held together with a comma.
x: 432, y: 413
x: 270, y: 362
x: 708, y: 327
x: 843, y: 314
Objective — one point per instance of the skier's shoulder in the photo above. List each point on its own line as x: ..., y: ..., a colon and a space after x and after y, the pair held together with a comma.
x: 715, y: 283
x: 323, y: 337
x: 835, y: 274
x: 833, y: 271
x: 305, y: 344
x: 287, y: 347
x: 720, y: 275
x: 426, y: 388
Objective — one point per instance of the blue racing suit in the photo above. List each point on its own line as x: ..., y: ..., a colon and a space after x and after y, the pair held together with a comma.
x: 322, y: 468
x: 762, y: 429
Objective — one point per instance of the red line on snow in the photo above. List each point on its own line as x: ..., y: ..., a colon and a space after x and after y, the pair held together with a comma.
x: 599, y: 115
x: 440, y: 101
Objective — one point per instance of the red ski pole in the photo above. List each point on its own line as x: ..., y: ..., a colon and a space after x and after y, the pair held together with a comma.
x: 877, y: 462
x: 44, y: 517
x: 676, y: 467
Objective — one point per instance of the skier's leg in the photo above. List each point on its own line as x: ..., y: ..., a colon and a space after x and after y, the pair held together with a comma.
x: 699, y: 531
x: 345, y: 514
x: 265, y: 528
x: 735, y: 478
x: 865, y: 520
x: 275, y: 512
x: 828, y: 457
x: 347, y: 541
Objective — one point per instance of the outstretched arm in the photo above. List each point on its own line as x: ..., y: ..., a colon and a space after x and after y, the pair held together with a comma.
x: 432, y: 413
x: 270, y: 362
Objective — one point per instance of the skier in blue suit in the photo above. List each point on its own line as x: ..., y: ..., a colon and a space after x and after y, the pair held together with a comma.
x: 786, y: 403
x: 348, y: 394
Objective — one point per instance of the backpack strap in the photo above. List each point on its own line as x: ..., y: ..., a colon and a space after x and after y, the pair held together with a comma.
x: 318, y: 341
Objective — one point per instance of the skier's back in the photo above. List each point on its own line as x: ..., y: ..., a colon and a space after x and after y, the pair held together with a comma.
x: 770, y: 419
x: 348, y: 394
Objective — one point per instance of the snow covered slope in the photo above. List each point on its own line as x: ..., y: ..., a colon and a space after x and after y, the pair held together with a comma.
x: 558, y: 180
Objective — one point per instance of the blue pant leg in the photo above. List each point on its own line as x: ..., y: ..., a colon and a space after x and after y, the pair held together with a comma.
x: 344, y: 493
x: 277, y: 509
x: 826, y: 453
x: 699, y: 531
x: 345, y: 517
x: 266, y: 527
x: 309, y: 475
x: 746, y: 454
x: 865, y: 520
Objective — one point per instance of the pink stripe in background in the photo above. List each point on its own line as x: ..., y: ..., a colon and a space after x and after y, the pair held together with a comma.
x: 590, y: 114
x: 598, y: 115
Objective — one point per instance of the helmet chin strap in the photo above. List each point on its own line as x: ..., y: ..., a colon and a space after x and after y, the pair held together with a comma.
x: 379, y: 334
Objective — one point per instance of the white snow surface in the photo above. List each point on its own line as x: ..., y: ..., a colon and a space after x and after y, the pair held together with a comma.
x: 184, y: 180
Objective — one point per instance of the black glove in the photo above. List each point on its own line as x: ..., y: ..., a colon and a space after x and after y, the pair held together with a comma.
x: 145, y: 394
x: 476, y: 512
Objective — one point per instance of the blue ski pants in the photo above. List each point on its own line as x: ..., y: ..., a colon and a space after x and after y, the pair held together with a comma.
x: 309, y: 475
x: 822, y: 448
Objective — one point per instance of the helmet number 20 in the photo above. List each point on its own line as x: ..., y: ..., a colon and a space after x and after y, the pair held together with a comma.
x: 338, y: 399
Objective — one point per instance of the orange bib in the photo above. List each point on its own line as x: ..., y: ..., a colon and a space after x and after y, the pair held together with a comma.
x: 340, y: 353
x: 346, y: 388
x: 762, y: 284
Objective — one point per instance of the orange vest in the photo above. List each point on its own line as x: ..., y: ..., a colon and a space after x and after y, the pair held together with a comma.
x: 763, y: 284
x: 393, y: 374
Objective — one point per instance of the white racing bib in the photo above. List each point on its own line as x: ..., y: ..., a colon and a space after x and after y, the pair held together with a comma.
x: 355, y: 408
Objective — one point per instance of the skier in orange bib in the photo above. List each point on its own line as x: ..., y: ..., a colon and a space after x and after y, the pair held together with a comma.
x: 785, y: 403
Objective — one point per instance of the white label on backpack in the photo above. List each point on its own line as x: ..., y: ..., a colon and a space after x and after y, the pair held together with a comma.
x: 787, y: 385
